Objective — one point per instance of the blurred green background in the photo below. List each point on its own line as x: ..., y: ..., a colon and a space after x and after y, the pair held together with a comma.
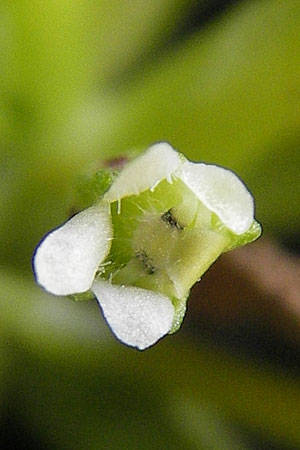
x: 87, y: 80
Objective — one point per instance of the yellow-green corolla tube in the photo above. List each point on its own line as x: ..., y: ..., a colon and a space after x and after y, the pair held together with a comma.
x: 160, y: 225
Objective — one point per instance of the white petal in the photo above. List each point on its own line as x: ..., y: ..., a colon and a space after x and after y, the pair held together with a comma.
x: 137, y: 317
x: 222, y: 192
x: 67, y: 259
x: 145, y: 171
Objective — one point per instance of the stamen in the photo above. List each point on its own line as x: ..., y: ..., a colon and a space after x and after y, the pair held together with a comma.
x: 168, y: 217
x: 146, y: 262
x: 119, y: 206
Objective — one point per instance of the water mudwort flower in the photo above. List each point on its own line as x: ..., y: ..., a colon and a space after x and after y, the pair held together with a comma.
x: 139, y: 249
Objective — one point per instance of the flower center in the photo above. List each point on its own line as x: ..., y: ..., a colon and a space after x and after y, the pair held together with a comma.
x: 163, y: 240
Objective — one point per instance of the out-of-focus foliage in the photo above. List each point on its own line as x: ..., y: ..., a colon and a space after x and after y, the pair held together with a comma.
x: 83, y: 81
x: 71, y: 378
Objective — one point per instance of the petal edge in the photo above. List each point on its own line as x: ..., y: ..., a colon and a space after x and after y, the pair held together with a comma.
x: 67, y: 259
x: 145, y: 172
x: 222, y: 192
x: 136, y: 316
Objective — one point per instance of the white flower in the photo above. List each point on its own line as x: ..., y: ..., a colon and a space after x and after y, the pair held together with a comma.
x: 157, y: 229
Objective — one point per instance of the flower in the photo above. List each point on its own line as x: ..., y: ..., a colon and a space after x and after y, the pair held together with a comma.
x: 160, y: 225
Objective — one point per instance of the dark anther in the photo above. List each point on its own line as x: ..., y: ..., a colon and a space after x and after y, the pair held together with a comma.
x: 146, y: 262
x: 169, y: 218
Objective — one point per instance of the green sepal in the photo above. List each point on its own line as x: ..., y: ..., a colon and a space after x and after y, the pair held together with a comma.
x: 235, y: 240
x: 250, y: 235
x: 180, y: 310
x: 91, y: 189
x: 82, y: 296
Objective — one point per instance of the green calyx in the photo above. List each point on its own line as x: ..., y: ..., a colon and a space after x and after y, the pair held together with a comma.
x: 164, y: 240
x: 91, y: 189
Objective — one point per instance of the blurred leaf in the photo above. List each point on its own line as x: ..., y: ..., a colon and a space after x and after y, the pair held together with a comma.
x: 70, y: 337
x: 204, y: 424
x: 276, y: 183
x: 126, y: 33
x: 52, y: 52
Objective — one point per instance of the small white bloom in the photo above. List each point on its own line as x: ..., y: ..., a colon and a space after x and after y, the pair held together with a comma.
x: 167, y: 247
